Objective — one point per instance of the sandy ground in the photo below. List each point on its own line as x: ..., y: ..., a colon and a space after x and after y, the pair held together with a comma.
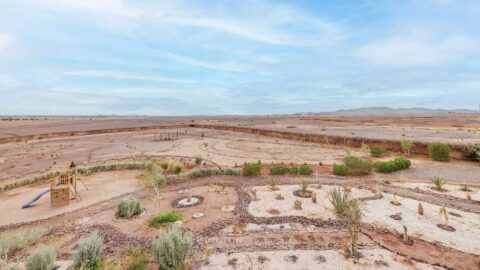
x: 452, y: 190
x: 223, y: 148
x: 211, y: 207
x: 466, y: 237
x: 311, y: 259
x: 322, y: 209
x: 101, y: 186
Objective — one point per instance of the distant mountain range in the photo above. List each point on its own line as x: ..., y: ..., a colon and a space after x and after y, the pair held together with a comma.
x: 388, y: 110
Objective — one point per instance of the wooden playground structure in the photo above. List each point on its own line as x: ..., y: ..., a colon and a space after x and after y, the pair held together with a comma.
x: 63, y: 187
x: 166, y: 136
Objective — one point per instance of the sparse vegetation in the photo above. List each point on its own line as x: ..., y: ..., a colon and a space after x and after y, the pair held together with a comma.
x: 305, y: 170
x: 443, y: 211
x: 377, y: 151
x: 439, y: 151
x: 13, y: 242
x: 405, y: 234
x: 304, y: 187
x: 407, y: 146
x: 395, y: 201
x: 273, y: 184
x: 438, y: 182
x: 392, y: 165
x: 251, y: 169
x: 159, y: 221
x: 297, y: 204
x: 279, y: 170
x: 42, y: 258
x: 87, y: 254
x: 171, y: 249
x: 128, y: 207
x: 339, y: 200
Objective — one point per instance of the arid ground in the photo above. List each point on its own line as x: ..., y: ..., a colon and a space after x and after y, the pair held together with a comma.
x: 247, y: 224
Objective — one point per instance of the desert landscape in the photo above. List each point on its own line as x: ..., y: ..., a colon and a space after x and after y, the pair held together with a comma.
x: 256, y: 192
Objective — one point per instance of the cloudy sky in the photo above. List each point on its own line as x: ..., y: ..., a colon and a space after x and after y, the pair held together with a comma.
x: 236, y: 57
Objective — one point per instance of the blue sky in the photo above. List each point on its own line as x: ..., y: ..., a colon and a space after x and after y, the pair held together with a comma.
x: 236, y: 57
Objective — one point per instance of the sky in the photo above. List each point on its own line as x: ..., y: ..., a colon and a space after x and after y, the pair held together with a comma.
x: 139, y: 57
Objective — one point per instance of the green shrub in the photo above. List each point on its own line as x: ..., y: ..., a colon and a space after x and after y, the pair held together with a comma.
x: 356, y: 166
x: 198, y: 160
x: 87, y: 254
x: 278, y: 170
x: 13, y: 242
x: 293, y: 170
x: 439, y: 151
x: 251, y: 169
x: 41, y: 259
x: 128, y: 207
x: 305, y: 170
x: 177, y: 169
x: 169, y: 217
x: 471, y: 152
x: 171, y: 249
x: 392, y: 166
x: 377, y: 151
x: 339, y: 169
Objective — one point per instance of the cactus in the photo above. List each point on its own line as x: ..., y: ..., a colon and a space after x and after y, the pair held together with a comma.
x: 405, y: 235
x: 297, y: 204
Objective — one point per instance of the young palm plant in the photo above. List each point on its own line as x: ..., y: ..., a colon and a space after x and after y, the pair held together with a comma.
x: 438, y: 182
x: 339, y: 200
x: 303, y: 187
x: 273, y: 184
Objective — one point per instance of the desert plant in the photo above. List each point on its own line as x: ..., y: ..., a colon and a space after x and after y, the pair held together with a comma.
x: 339, y: 200
x: 356, y: 166
x: 13, y: 242
x: 439, y: 151
x: 303, y: 187
x: 406, y: 146
x: 305, y: 170
x: 339, y: 170
x: 297, y: 204
x: 465, y: 188
x: 171, y: 249
x: 198, y: 160
x: 251, y: 169
x: 128, y: 207
x: 137, y: 259
x: 405, y: 234
x: 273, y: 184
x: 278, y: 170
x: 378, y: 192
x: 420, y: 209
x: 443, y: 211
x: 177, y: 169
x: 471, y: 152
x: 87, y: 254
x: 41, y: 259
x: 377, y: 151
x: 394, y: 201
x: 438, y: 182
x: 168, y: 217
x: 293, y: 170
x: 351, y: 217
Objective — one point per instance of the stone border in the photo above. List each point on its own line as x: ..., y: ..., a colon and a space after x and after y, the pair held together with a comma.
x: 175, y: 203
x: 298, y: 193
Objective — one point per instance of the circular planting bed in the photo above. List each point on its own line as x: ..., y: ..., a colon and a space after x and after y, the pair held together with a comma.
x: 184, y: 203
x: 301, y: 194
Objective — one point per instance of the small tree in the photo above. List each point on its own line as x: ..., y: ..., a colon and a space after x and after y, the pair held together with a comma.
x: 351, y: 217
x: 171, y: 249
x: 438, y: 182
x: 273, y: 184
x: 339, y: 200
x: 303, y: 187
x: 88, y: 252
x: 406, y: 146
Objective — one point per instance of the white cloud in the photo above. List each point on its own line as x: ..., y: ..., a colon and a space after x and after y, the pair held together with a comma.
x: 414, y: 51
x: 123, y: 76
x: 6, y: 41
x: 232, y: 66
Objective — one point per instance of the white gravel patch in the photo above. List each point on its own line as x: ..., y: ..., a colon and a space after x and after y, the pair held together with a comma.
x: 466, y: 237
x: 452, y: 190
x: 312, y: 259
x: 322, y: 209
